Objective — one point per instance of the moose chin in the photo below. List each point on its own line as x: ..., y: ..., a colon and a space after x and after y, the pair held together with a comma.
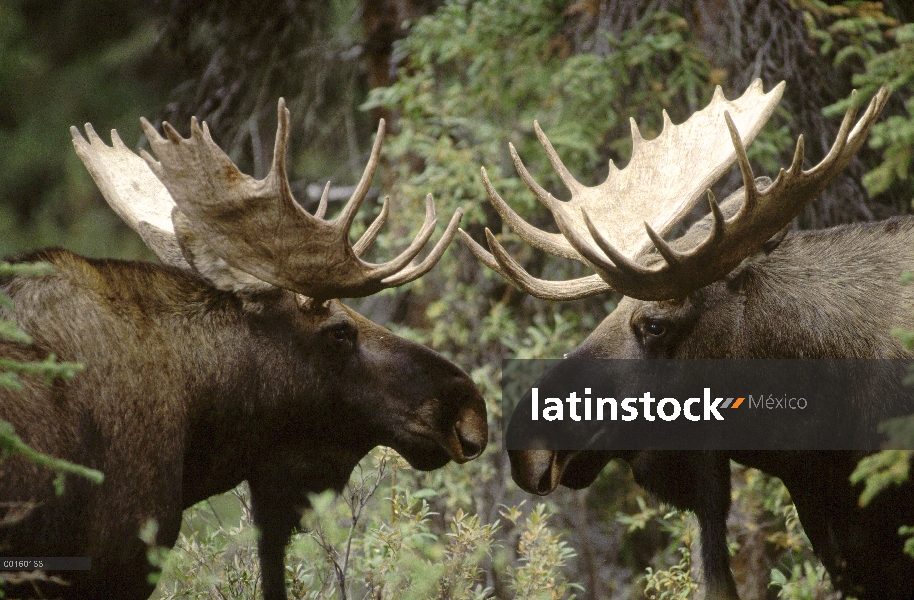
x: 233, y: 360
x: 736, y: 285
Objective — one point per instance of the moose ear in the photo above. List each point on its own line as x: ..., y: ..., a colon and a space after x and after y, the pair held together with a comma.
x: 209, y: 265
x: 737, y: 277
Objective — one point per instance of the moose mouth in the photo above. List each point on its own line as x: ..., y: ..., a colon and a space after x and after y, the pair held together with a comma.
x: 541, y: 471
x: 429, y: 448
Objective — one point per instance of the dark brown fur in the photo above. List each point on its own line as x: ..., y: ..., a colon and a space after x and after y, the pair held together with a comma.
x: 188, y: 391
x: 834, y: 293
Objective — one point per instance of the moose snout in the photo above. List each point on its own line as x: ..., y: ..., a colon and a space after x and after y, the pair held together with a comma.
x: 536, y: 471
x: 470, y: 430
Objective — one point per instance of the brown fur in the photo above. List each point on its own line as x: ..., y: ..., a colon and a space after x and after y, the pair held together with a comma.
x: 188, y: 391
x: 834, y: 293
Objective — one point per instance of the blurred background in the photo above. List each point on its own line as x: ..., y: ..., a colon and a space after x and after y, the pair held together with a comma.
x: 457, y: 81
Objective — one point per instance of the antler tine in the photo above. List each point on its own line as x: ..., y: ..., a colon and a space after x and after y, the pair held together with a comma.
x: 553, y: 243
x: 763, y: 214
x: 672, y: 168
x: 719, y: 228
x: 133, y: 191
x: 573, y: 185
x: 621, y: 265
x: 574, y: 289
x: 672, y: 258
x: 664, y: 179
x: 371, y: 233
x: 278, y: 175
x: 321, y: 209
x: 540, y: 288
x: 796, y: 165
x: 416, y: 271
x: 744, y: 167
x: 355, y: 201
x: 526, y: 177
x: 483, y: 255
x: 397, y: 264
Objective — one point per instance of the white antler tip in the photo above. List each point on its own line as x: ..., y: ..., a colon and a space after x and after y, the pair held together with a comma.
x: 206, y: 134
x: 777, y: 91
x: 636, y: 134
x: 171, y: 132
x: 91, y: 135
x: 116, y: 140
x: 195, y: 131
x: 514, y: 155
x: 151, y: 133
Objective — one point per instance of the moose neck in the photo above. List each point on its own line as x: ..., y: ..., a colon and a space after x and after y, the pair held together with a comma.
x: 831, y: 293
x: 165, y: 348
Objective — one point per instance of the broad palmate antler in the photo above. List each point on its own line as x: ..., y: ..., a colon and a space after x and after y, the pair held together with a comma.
x: 194, y: 195
x: 613, y: 226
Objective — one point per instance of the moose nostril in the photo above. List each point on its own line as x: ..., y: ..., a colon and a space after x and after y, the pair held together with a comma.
x: 471, y: 429
x: 471, y: 448
x: 544, y: 485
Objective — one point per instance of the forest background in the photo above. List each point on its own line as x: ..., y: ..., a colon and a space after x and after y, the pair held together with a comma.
x: 457, y: 81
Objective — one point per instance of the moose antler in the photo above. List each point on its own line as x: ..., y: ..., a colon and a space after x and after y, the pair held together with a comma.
x: 664, y: 179
x: 133, y: 191
x: 255, y: 226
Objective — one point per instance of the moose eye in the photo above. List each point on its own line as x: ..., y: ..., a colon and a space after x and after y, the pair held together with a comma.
x: 655, y: 328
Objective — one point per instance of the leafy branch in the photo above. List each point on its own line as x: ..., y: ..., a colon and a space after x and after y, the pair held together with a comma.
x: 47, y: 370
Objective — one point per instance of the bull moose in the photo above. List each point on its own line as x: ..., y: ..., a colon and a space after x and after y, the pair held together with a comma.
x: 232, y: 361
x: 735, y: 285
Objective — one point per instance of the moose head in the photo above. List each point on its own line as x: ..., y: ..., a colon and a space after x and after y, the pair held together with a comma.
x: 235, y: 361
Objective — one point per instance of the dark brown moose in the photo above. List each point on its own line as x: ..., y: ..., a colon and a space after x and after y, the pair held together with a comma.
x: 736, y: 285
x: 234, y: 361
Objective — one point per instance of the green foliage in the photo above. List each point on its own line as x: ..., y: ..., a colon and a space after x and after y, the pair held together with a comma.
x: 46, y: 371
x: 380, y: 539
x: 11, y: 444
x: 670, y: 579
x: 805, y: 581
x: 879, y: 51
x: 62, y: 64
x: 539, y: 575
x: 675, y: 583
x: 472, y: 77
x: 881, y: 470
